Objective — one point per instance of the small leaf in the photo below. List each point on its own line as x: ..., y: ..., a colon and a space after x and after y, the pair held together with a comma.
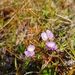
x: 22, y: 48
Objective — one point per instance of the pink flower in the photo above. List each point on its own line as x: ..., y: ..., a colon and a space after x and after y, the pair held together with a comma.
x: 30, y: 51
x: 31, y: 48
x: 47, y: 35
x: 44, y: 36
x: 51, y: 46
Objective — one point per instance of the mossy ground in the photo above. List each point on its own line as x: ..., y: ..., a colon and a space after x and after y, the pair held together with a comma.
x: 21, y: 23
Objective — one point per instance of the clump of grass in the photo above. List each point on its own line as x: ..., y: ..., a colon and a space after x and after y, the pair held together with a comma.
x: 22, y: 23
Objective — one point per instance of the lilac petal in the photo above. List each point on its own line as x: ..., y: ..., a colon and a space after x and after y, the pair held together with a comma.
x: 49, y: 34
x: 44, y: 36
x: 31, y: 48
x: 55, y: 47
x: 28, y: 53
x: 48, y: 48
x: 50, y: 44
x: 32, y: 53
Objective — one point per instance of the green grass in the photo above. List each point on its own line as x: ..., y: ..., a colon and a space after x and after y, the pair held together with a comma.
x: 30, y: 18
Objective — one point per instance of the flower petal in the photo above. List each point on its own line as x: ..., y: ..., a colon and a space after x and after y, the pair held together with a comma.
x: 49, y: 34
x: 28, y: 53
x: 31, y: 48
x: 32, y: 53
x: 50, y: 44
x: 48, y: 48
x: 55, y: 47
x: 44, y: 36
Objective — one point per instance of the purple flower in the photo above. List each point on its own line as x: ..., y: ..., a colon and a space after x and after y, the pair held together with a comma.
x: 30, y: 51
x: 51, y: 46
x: 46, y: 35
x: 49, y: 34
x: 31, y: 48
